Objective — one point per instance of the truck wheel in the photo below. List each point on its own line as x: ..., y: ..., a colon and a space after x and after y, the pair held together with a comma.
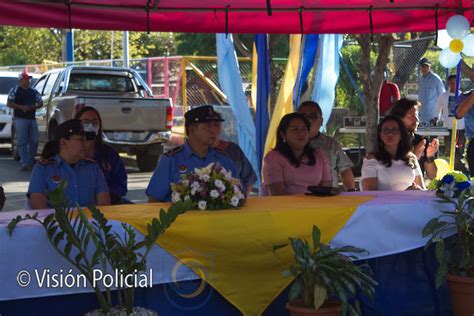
x: 146, y: 161
x: 15, y: 154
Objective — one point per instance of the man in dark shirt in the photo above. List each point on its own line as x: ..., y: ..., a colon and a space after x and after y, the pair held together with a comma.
x: 24, y: 101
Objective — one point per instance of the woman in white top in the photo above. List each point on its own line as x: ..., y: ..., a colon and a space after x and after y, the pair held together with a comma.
x: 392, y: 167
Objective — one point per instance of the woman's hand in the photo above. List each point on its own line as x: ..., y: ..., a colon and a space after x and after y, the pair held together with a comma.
x: 432, y: 148
x: 414, y: 186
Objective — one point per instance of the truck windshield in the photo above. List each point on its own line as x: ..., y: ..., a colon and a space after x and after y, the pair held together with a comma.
x: 100, y: 83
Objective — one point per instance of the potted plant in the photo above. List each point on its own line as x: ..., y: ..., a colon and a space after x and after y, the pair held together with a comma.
x: 71, y: 233
x: 455, y: 256
x: 323, y: 272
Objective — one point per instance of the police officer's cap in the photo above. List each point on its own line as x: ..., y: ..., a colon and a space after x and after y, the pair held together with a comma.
x: 202, y: 114
x: 69, y: 128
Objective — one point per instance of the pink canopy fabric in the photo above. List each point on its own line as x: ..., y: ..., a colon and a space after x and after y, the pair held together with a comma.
x: 243, y: 16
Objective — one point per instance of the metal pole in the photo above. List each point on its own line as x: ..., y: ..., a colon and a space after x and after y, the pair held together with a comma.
x: 125, y: 49
x: 69, y: 46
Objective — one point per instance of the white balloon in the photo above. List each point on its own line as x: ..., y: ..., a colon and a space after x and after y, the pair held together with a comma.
x: 448, y: 59
x: 458, y: 26
x: 468, y: 45
x: 443, y: 39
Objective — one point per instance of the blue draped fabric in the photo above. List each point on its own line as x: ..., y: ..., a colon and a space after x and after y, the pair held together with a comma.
x: 263, y: 94
x: 327, y: 73
x: 230, y: 81
x: 309, y: 48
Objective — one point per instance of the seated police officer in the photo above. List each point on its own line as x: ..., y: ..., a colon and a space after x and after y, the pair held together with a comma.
x: 201, y: 125
x: 66, y: 161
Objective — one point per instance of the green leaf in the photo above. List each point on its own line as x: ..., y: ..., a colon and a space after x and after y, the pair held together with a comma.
x: 59, y: 236
x: 316, y: 237
x: 277, y: 247
x: 430, y: 226
x: 67, y: 248
x: 320, y: 295
x: 439, y: 252
x: 441, y: 275
x: 296, y: 291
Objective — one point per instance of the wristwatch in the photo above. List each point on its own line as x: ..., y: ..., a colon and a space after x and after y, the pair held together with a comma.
x: 430, y: 159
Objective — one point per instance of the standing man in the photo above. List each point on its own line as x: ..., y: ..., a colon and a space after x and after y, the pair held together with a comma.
x: 445, y: 105
x: 465, y: 109
x: 407, y: 111
x: 24, y: 101
x: 430, y: 87
x: 201, y: 127
x: 338, y: 160
x: 86, y: 184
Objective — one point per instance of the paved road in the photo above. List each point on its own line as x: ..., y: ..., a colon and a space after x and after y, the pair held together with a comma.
x: 15, y: 182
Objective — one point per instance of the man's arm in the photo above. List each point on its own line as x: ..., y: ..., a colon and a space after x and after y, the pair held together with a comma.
x: 465, y: 106
x: 38, y: 201
x: 348, y: 179
x: 102, y: 198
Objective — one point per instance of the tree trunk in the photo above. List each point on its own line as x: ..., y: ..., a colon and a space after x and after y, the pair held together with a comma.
x: 241, y: 47
x: 372, y: 79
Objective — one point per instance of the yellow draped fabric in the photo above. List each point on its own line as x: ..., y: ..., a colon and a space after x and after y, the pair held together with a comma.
x: 254, y: 78
x: 284, y: 103
x: 238, y: 244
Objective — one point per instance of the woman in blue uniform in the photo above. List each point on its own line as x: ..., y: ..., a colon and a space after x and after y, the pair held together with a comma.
x: 106, y: 157
x: 85, y: 183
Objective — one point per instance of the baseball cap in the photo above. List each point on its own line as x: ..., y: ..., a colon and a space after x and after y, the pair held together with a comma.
x: 69, y: 128
x: 425, y: 61
x: 202, y: 114
x: 24, y: 75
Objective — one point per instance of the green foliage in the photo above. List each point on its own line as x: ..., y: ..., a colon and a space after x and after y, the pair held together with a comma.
x: 458, y: 258
x: 347, y: 96
x: 70, y: 232
x: 321, y: 272
x: 196, y: 44
x: 22, y: 45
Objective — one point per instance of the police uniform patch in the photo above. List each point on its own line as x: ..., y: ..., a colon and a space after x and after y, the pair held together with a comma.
x: 56, y: 179
x: 182, y: 168
x: 174, y: 151
x: 47, y: 162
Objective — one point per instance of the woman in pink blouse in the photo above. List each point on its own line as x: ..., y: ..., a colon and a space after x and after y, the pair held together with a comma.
x: 293, y: 165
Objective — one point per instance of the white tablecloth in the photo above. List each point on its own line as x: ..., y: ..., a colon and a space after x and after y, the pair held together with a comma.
x: 391, y: 223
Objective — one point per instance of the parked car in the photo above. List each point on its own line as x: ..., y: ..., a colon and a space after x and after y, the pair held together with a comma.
x: 133, y: 121
x: 8, y: 80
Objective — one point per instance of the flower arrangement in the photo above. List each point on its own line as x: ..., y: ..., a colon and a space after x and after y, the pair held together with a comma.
x: 451, y: 185
x: 209, y: 188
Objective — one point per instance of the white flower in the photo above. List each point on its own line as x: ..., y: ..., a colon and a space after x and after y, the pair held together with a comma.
x: 219, y: 184
x: 203, y: 171
x: 185, y: 182
x: 175, y: 197
x: 234, y: 201
x: 214, y: 194
x: 227, y: 174
x: 187, y: 197
x: 204, y: 177
x: 195, y: 187
x: 202, y: 205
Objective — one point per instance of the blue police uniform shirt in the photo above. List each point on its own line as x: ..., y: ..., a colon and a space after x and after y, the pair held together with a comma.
x: 182, y: 161
x: 469, y: 117
x: 113, y: 169
x: 84, y: 180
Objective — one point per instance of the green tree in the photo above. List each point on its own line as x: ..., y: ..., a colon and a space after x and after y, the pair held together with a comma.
x: 22, y: 45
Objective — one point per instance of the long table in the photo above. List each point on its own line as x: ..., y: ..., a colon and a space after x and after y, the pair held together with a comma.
x: 421, y: 131
x: 388, y: 226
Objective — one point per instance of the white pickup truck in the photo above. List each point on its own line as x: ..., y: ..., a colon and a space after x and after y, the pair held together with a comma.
x: 133, y: 121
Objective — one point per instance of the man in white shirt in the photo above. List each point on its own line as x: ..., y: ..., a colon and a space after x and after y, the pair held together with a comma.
x: 445, y: 105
